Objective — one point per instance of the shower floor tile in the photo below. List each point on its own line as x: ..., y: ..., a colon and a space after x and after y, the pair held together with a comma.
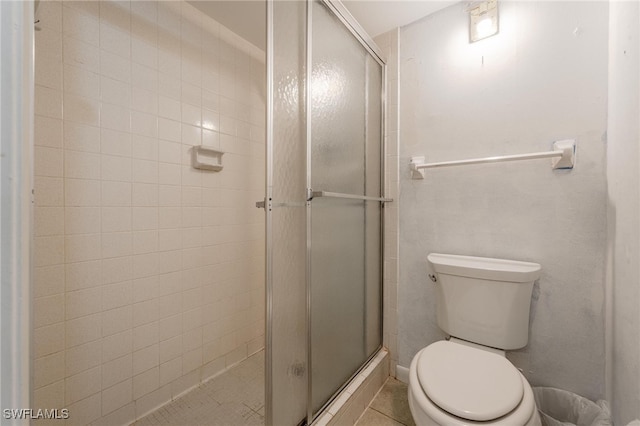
x: 233, y: 398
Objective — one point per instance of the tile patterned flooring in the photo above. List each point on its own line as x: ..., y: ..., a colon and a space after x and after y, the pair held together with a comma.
x: 236, y: 397
x: 389, y: 408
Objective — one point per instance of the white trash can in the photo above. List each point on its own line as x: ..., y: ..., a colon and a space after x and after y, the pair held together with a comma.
x: 558, y: 407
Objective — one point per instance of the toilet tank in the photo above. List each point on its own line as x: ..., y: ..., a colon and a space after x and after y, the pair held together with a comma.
x: 484, y: 300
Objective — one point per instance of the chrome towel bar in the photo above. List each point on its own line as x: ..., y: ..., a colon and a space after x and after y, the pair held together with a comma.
x: 563, y: 157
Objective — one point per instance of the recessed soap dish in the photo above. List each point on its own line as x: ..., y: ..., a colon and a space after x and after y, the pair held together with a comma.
x: 204, y: 158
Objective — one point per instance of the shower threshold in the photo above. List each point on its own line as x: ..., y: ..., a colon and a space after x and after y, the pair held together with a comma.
x: 235, y: 397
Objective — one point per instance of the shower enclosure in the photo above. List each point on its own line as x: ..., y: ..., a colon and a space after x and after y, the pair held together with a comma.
x: 324, y: 205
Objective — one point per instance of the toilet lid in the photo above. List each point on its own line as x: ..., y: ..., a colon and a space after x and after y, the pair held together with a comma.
x: 468, y: 382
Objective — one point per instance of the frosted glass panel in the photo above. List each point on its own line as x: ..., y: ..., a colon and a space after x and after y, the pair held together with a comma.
x: 337, y: 106
x: 346, y: 107
x: 286, y: 391
x: 337, y: 284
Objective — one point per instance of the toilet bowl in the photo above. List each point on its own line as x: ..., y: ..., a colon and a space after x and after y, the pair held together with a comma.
x: 457, y: 383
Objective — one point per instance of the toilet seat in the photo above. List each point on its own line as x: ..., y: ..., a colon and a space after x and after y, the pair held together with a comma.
x: 469, y: 383
x: 426, y: 413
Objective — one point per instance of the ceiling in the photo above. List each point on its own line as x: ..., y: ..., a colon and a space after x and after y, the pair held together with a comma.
x: 378, y: 17
x: 247, y: 18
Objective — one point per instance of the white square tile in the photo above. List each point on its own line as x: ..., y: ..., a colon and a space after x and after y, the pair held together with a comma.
x: 117, y: 295
x: 81, y: 165
x: 115, y: 168
x: 82, y: 247
x: 116, y: 117
x: 81, y: 54
x: 48, y: 161
x: 83, y: 302
x: 145, y: 288
x: 88, y: 409
x: 47, y: 132
x: 145, y: 265
x: 145, y: 218
x: 81, y: 137
x: 143, y: 52
x: 117, y: 370
x: 116, y: 193
x: 145, y: 242
x: 83, y: 357
x: 145, y: 359
x: 48, y: 340
x: 169, y: 174
x: 48, y: 191
x: 115, y: 39
x: 169, y: 130
x: 169, y: 84
x: 145, y: 101
x: 170, y: 327
x: 191, y: 94
x: 145, y: 171
x: 144, y: 77
x: 82, y: 385
x: 145, y: 335
x: 145, y: 312
x: 170, y: 370
x: 169, y: 108
x: 48, y: 221
x: 116, y: 329
x: 145, y: 148
x: 117, y: 244
x: 116, y: 219
x: 82, y: 275
x: 80, y: 25
x: 81, y: 82
x: 48, y: 310
x: 82, y: 330
x: 48, y: 281
x: 113, y: 142
x: 117, y: 396
x: 117, y: 345
x: 170, y: 348
x: 144, y: 124
x: 145, y: 195
x: 115, y: 67
x: 115, y: 92
x: 146, y: 382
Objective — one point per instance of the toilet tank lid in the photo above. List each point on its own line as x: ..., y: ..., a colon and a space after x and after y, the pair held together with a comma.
x: 484, y: 267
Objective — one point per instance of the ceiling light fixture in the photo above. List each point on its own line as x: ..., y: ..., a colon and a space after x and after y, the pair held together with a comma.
x: 483, y: 20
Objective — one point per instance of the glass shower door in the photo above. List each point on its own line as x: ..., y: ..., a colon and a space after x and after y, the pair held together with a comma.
x: 323, y: 207
x: 345, y: 244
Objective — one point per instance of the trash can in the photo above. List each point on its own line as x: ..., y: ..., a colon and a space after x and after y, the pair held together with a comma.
x: 558, y: 407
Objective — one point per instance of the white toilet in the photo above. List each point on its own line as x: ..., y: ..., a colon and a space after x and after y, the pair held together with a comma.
x: 483, y: 304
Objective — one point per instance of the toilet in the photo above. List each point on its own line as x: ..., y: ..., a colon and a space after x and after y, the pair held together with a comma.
x: 483, y: 305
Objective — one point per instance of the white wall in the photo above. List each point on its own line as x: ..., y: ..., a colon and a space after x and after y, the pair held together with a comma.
x: 623, y: 237
x: 542, y: 78
x: 149, y: 274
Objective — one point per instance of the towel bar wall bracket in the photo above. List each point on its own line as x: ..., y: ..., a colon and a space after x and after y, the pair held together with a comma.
x: 562, y: 157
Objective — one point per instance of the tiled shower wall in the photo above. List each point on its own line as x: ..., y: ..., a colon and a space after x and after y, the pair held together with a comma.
x: 148, y: 273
